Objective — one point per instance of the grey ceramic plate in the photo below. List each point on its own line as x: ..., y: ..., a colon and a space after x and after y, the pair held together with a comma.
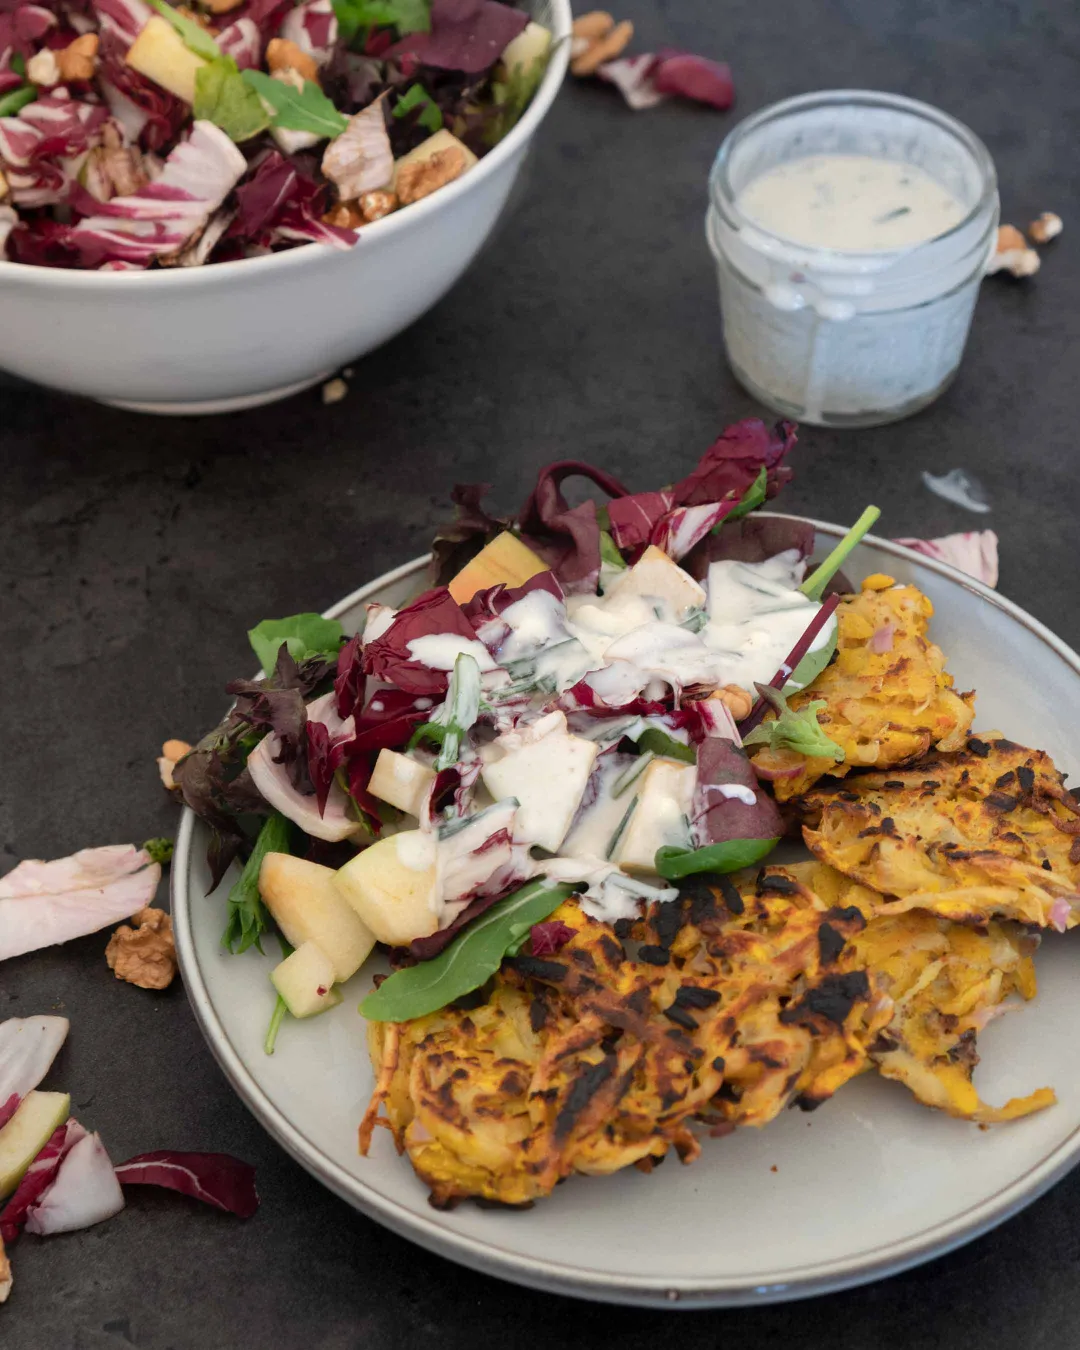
x: 869, y: 1184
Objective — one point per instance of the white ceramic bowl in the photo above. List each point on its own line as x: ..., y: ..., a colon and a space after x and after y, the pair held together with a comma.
x: 237, y: 334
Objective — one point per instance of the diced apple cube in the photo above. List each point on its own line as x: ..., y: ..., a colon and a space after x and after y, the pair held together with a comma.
x: 655, y: 578
x: 393, y: 887
x: 159, y: 53
x: 27, y: 1133
x: 401, y: 781
x: 546, y: 769
x: 506, y: 559
x: 531, y: 45
x: 308, y: 907
x: 305, y: 980
x: 665, y: 797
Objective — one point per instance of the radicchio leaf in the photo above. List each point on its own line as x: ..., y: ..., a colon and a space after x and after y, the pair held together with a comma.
x: 568, y: 539
x: 753, y: 539
x: 972, y: 551
x: 388, y: 658
x: 8, y: 1108
x: 718, y: 818
x: 38, y: 1177
x: 216, y: 1179
x: 28, y: 1046
x: 545, y: 939
x: 489, y: 604
x: 349, y: 681
x: 473, y: 526
x: 389, y: 719
x: 693, y: 77
x: 84, y: 1192
x: 467, y: 35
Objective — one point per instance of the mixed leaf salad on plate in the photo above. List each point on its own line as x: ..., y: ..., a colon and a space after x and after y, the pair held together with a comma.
x: 136, y: 133
x: 546, y: 786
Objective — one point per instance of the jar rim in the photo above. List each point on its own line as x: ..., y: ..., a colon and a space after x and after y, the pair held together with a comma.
x: 720, y: 188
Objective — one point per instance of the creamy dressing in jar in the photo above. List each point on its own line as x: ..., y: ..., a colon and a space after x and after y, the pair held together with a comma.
x: 850, y: 202
x: 851, y: 231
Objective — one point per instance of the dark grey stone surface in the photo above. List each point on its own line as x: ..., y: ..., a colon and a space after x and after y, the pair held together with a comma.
x: 135, y: 552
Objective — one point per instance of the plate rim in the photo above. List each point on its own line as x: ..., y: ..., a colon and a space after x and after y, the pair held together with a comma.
x: 551, y: 1276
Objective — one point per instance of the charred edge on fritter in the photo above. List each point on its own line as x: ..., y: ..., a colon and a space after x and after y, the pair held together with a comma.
x: 774, y: 883
x: 681, y: 1017
x: 829, y: 1002
x: 830, y: 943
x: 1025, y: 776
x: 583, y: 1089
x: 653, y: 955
x: 614, y: 951
x: 886, y: 827
x: 1000, y: 801
x: 977, y: 747
x: 694, y: 996
x: 539, y: 969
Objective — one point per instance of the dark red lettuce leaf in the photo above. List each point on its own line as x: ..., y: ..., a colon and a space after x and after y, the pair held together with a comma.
x: 388, y: 657
x: 261, y: 198
x: 320, y: 761
x: 358, y: 773
x: 426, y: 948
x: 489, y: 604
x: 468, y: 35
x: 473, y: 526
x: 216, y: 1179
x: 349, y: 681
x: 8, y: 1108
x: 389, y: 720
x: 37, y: 1179
x: 733, y: 461
x: 42, y: 242
x: 752, y: 539
x: 568, y: 539
x: 718, y: 819
x: 166, y: 114
x: 633, y: 517
x: 547, y: 938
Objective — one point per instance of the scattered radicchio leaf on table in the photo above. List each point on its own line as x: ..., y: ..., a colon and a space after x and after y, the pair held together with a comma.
x: 216, y: 1179
x: 473, y: 526
x: 467, y: 35
x: 567, y: 538
x: 653, y: 77
x: 972, y: 551
x: 38, y: 1177
x: 45, y: 903
x: 84, y: 1192
x: 547, y: 938
x: 388, y: 657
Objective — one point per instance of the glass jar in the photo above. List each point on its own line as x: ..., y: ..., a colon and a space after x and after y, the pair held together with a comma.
x: 849, y: 338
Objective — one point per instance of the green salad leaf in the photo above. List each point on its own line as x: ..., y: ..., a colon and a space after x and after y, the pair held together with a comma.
x: 196, y: 38
x: 660, y: 743
x: 306, y: 109
x: 407, y: 16
x: 608, y: 552
x: 752, y: 498
x: 159, y: 850
x: 457, y: 714
x: 469, y: 961
x: 416, y: 96
x: 676, y: 863
x: 223, y: 97
x: 10, y: 103
x: 812, y: 664
x: 248, y: 918
x: 794, y: 730
x: 304, y: 634
x: 819, y: 578
x: 511, y: 95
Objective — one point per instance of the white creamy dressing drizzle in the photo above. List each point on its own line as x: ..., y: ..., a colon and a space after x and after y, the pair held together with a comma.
x: 850, y: 202
x: 959, y: 487
x: 749, y: 617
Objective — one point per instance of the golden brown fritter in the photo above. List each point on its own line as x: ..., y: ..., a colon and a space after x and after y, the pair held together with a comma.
x: 888, y: 696
x: 733, y: 1002
x: 987, y: 831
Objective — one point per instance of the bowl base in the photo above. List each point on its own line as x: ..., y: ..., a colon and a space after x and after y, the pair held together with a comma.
x: 206, y: 407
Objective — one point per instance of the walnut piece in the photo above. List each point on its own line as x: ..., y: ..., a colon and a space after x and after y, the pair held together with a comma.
x: 346, y: 216
x: 222, y: 6
x: 736, y: 700
x: 333, y: 391
x: 145, y: 955
x: 596, y: 24
x: 281, y: 54
x: 43, y: 69
x: 1047, y: 227
x: 422, y: 177
x: 5, y: 1273
x: 1012, y: 254
x: 171, y: 753
x: 603, y: 49
x: 78, y: 60
x: 375, y: 205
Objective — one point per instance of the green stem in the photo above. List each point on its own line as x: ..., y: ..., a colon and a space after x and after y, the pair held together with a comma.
x: 816, y: 582
x: 281, y: 1008
x: 18, y: 98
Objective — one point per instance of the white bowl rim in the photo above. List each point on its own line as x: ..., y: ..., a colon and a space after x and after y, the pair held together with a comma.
x: 399, y: 222
x: 641, y: 1289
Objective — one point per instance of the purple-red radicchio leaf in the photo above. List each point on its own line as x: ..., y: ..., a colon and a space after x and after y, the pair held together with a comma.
x: 388, y: 657
x: 467, y: 35
x: 547, y: 938
x: 567, y: 538
x: 718, y: 818
x: 216, y: 1179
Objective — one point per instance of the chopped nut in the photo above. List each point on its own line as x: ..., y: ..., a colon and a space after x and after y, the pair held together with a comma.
x: 281, y: 54
x: 375, y: 205
x: 422, y: 177
x: 221, y: 6
x: 145, y: 955
x: 171, y: 752
x: 43, y: 69
x: 736, y: 700
x: 346, y: 216
x: 1012, y: 254
x: 4, y: 188
x: 196, y: 16
x: 1047, y: 227
x: 603, y: 49
x: 596, y: 24
x: 333, y: 391
x: 78, y: 60
x: 5, y: 1273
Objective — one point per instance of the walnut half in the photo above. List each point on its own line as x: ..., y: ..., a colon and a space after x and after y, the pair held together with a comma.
x: 145, y: 955
x: 422, y: 177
